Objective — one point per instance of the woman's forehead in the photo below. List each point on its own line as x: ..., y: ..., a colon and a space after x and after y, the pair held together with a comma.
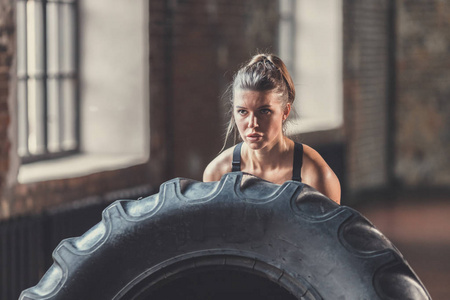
x: 249, y: 97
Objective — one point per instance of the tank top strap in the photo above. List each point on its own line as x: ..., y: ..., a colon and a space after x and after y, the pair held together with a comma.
x: 298, y: 162
x: 236, y: 164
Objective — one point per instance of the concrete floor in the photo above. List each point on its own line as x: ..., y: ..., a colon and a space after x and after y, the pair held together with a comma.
x: 421, y: 231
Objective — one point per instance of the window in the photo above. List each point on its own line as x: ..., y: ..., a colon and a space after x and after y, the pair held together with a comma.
x: 47, y: 72
x: 107, y: 83
x: 310, y: 42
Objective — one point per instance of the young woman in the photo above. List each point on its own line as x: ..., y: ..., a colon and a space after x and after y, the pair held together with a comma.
x: 262, y: 97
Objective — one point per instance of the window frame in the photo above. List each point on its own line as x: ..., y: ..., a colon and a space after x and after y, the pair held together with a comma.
x: 43, y: 77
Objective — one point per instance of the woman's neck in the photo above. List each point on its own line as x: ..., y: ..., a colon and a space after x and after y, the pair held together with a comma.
x: 270, y: 156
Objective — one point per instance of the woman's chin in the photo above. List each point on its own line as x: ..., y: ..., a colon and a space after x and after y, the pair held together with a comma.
x: 255, y: 145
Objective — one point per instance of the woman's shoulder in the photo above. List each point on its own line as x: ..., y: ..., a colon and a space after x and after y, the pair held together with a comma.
x: 312, y: 156
x: 313, y: 161
x: 219, y: 166
x: 317, y: 173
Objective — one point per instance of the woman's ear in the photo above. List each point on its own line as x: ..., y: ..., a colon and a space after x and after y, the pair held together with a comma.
x: 286, y: 112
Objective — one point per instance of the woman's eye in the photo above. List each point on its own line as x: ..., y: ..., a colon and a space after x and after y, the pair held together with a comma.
x: 265, y: 111
x: 242, y: 112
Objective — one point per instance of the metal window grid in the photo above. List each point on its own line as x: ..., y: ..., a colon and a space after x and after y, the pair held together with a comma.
x: 48, y: 79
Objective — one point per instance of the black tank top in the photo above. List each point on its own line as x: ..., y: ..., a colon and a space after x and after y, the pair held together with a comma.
x: 297, y: 164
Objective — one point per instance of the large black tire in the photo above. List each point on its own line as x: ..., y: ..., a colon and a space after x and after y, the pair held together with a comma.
x: 241, y: 228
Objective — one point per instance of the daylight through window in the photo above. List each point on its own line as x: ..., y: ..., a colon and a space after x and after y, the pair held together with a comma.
x: 47, y: 79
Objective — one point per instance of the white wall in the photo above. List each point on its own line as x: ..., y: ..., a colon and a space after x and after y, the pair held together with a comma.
x: 114, y: 76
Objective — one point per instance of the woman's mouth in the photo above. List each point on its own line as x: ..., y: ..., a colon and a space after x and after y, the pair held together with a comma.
x: 254, y: 137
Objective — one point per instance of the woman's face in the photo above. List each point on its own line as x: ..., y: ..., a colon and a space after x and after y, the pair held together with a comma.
x: 259, y: 117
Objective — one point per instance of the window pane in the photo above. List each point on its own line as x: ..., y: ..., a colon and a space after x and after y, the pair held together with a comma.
x: 35, y: 37
x: 52, y: 39
x: 53, y: 125
x: 68, y: 37
x: 69, y: 113
x: 36, y: 120
x: 22, y: 117
x: 21, y: 38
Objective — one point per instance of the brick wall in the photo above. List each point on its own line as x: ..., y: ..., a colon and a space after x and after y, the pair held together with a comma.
x: 366, y: 90
x: 397, y: 112
x: 7, y: 51
x: 423, y: 93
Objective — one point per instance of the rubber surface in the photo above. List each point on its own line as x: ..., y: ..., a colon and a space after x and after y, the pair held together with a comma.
x: 290, y: 235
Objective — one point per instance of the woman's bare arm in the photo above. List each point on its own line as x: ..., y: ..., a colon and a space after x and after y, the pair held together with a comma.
x: 328, y: 184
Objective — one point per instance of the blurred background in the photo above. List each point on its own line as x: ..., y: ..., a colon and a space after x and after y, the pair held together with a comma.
x: 104, y: 100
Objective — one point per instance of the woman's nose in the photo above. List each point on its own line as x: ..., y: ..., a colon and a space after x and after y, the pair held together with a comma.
x: 253, y: 122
